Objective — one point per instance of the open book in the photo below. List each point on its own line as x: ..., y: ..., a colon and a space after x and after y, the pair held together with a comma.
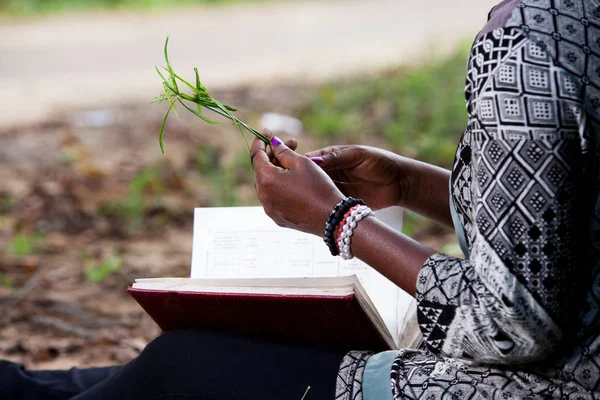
x: 250, y: 276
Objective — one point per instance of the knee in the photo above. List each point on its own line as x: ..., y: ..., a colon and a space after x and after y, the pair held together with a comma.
x: 167, y: 341
x: 177, y: 344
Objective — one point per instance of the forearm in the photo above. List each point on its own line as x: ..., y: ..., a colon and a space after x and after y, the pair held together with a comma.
x: 427, y: 191
x: 394, y: 255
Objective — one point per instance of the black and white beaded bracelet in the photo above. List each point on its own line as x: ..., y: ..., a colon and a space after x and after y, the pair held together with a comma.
x: 335, y: 217
x: 344, y: 241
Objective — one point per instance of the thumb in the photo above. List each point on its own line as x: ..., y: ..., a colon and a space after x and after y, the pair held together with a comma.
x: 282, y: 153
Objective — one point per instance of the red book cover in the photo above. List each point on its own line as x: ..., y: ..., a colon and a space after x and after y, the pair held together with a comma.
x: 332, y: 322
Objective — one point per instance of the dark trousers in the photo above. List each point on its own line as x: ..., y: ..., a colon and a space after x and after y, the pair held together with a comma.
x: 189, y: 365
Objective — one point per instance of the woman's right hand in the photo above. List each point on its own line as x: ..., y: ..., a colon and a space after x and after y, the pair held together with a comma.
x: 364, y: 172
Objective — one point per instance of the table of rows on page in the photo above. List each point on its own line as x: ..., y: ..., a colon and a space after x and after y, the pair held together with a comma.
x: 262, y: 254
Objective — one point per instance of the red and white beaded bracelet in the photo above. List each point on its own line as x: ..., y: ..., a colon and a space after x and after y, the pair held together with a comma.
x: 346, y: 229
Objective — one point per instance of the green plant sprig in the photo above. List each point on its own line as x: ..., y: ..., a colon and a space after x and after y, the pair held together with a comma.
x: 199, y: 96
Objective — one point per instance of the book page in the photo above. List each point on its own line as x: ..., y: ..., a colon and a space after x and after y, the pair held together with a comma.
x: 243, y: 242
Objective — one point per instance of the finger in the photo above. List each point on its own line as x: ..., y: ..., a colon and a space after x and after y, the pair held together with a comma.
x: 267, y: 133
x: 292, y: 144
x: 337, y: 158
x: 318, y: 155
x: 323, y: 151
x: 283, y: 153
x: 258, y: 155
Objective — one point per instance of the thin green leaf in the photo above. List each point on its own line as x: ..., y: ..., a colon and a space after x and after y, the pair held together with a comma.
x: 236, y: 122
x: 221, y: 113
x: 173, y: 80
x: 199, y: 87
x: 162, y: 130
x: 202, y: 102
x: 203, y: 117
x: 225, y: 110
x: 161, y: 75
x: 172, y: 102
x: 169, y: 68
x: 224, y: 107
x: 256, y: 133
x: 243, y: 136
x: 166, y: 50
x: 198, y: 84
x: 186, y: 83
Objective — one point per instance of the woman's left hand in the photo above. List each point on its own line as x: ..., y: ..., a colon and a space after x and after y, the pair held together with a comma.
x: 293, y: 190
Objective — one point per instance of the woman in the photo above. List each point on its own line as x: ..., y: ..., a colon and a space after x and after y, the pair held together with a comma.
x: 517, y: 318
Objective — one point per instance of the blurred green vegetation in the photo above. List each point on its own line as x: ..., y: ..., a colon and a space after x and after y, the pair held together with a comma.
x: 32, y: 7
x: 221, y: 177
x: 145, y: 193
x: 7, y: 281
x: 99, y: 270
x: 225, y: 178
x: 416, y: 111
x: 24, y: 244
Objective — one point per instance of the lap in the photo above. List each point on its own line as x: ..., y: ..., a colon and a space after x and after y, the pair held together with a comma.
x: 210, y: 365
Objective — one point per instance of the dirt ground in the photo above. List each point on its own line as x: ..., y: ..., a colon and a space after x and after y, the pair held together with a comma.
x: 88, y: 203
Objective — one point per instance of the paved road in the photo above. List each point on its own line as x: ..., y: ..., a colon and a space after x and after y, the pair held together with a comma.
x: 92, y: 60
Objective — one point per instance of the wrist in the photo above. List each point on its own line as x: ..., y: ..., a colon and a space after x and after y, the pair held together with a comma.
x: 326, y: 206
x: 426, y: 191
x: 409, y: 181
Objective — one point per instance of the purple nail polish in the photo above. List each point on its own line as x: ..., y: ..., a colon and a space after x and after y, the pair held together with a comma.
x: 317, y: 160
x: 275, y: 141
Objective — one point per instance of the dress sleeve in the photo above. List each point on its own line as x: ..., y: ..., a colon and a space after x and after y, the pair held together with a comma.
x: 523, y: 155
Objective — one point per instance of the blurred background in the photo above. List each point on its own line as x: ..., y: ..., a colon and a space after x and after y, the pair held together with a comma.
x: 87, y: 201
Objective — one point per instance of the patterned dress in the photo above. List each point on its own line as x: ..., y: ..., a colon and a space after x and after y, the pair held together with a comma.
x: 519, y: 317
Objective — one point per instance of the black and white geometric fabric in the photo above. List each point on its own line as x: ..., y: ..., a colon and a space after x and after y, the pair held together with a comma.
x: 349, y: 379
x: 519, y: 318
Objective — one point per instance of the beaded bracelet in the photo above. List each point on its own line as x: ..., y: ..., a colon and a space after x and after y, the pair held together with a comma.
x: 340, y: 227
x: 334, y: 220
x: 350, y: 222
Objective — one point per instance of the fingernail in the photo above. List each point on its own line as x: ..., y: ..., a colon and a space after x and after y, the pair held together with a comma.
x: 317, y: 160
x: 275, y: 141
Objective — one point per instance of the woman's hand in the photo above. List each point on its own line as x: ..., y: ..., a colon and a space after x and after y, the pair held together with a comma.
x: 367, y: 173
x: 293, y: 190
x: 382, y: 179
